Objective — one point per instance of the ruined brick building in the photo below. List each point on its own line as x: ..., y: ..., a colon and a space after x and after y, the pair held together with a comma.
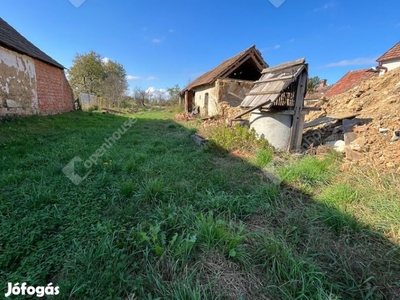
x: 31, y: 82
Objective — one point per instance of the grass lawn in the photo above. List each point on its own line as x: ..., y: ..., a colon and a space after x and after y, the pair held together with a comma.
x: 158, y: 217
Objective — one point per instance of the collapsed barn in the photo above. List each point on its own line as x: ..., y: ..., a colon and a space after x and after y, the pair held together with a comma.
x: 230, y: 82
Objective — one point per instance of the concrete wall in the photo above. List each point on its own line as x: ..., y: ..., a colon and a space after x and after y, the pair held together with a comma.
x: 200, y: 96
x: 29, y: 86
x: 273, y: 127
x: 233, y: 91
x: 18, y: 89
x: 391, y: 64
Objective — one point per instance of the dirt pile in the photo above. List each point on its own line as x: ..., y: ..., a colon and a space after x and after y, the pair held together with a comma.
x: 377, y: 103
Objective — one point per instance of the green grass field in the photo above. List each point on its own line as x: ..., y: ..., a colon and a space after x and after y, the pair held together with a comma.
x: 158, y: 217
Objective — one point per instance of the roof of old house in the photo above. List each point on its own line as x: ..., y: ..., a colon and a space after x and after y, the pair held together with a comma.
x: 13, y: 40
x: 392, y: 53
x: 318, y: 93
x: 273, y: 83
x: 249, y: 60
x: 349, y: 81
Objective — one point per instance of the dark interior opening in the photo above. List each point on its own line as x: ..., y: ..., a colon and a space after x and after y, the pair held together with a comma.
x: 246, y: 71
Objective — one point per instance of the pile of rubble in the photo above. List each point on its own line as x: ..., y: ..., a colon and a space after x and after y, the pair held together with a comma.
x: 375, y: 129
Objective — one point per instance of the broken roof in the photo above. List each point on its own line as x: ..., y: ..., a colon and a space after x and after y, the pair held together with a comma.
x: 349, y: 81
x: 392, y: 53
x: 13, y: 40
x: 318, y: 93
x: 273, y: 82
x: 247, y: 65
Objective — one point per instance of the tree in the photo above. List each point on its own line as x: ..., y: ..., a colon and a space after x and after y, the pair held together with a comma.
x: 140, y: 96
x: 313, y: 83
x: 115, y: 84
x: 174, y: 94
x: 92, y: 74
x: 87, y: 73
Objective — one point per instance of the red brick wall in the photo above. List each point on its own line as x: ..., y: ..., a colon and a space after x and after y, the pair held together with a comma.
x: 53, y: 90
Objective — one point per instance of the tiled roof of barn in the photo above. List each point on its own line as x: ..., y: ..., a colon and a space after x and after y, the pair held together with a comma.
x: 13, y: 40
x: 223, y: 70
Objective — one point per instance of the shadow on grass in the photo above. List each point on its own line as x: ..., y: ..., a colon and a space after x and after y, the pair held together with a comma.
x: 161, y: 218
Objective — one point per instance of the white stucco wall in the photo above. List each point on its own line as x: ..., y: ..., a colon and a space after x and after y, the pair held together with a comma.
x: 391, y: 64
x: 200, y: 95
x: 18, y: 90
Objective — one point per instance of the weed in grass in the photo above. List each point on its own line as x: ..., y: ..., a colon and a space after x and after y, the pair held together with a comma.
x: 237, y: 138
x: 264, y: 157
x: 338, y: 195
x: 131, y: 166
x: 339, y: 222
x: 153, y: 189
x: 309, y: 171
x: 128, y: 188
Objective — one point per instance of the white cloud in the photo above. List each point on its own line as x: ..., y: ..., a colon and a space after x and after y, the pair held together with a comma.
x: 352, y: 62
x: 105, y: 60
x: 156, y: 41
x: 154, y: 93
x: 276, y: 47
x: 326, y: 6
x: 132, y: 77
x: 152, y: 78
x: 292, y: 40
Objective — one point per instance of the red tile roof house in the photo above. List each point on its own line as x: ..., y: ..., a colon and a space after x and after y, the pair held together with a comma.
x: 391, y: 59
x: 230, y: 82
x: 350, y: 81
x: 31, y: 82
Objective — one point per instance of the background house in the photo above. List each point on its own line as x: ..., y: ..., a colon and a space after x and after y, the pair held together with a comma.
x: 318, y: 92
x: 391, y: 59
x: 349, y: 81
x: 31, y: 82
x: 230, y: 81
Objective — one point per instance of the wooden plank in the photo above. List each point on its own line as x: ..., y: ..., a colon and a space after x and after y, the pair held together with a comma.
x: 344, y: 116
x: 286, y: 65
x: 249, y: 110
x: 263, y: 93
x: 283, y: 78
x: 319, y: 121
x: 296, y: 131
x: 311, y: 108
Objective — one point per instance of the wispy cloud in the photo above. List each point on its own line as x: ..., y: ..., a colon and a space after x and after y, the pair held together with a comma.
x: 326, y: 6
x: 171, y: 31
x: 291, y: 41
x: 276, y: 47
x: 152, y: 78
x: 157, y: 41
x: 397, y: 25
x: 352, y: 62
x: 132, y: 77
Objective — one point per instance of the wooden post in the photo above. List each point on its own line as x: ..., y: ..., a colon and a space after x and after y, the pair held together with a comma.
x: 296, y: 131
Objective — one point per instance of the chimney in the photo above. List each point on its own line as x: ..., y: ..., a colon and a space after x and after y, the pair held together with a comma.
x: 323, y: 83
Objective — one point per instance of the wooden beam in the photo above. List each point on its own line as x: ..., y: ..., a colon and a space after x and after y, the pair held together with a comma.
x: 276, y: 79
x: 249, y: 111
x: 263, y: 93
x: 287, y: 65
x: 296, y: 131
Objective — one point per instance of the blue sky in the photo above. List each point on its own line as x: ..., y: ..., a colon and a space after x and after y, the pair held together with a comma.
x: 163, y: 43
